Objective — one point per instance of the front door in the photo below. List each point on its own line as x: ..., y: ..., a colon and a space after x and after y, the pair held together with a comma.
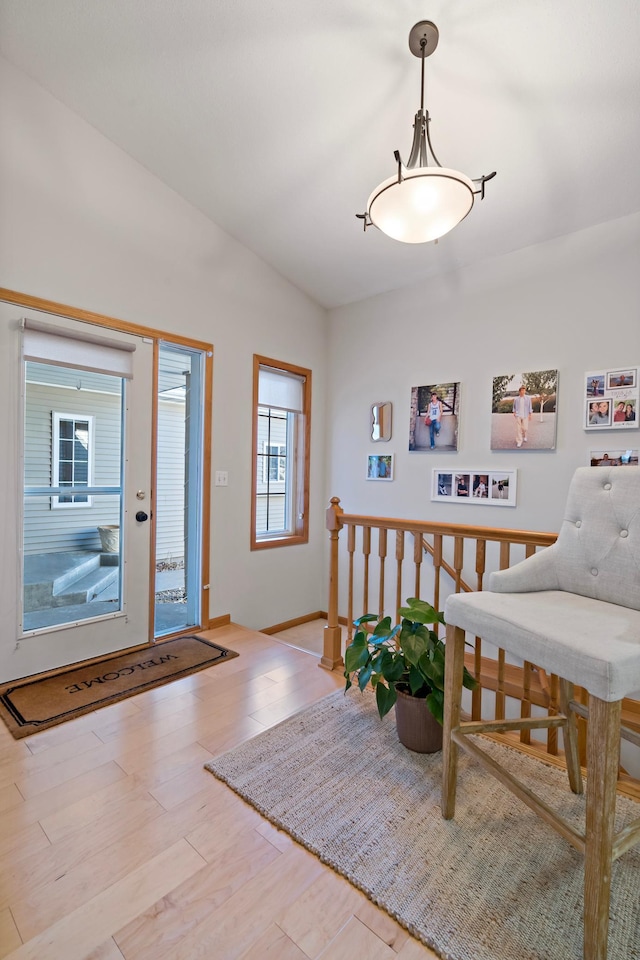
x: 76, y: 435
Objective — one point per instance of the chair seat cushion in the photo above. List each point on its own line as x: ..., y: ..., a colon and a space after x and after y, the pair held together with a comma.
x: 594, y: 644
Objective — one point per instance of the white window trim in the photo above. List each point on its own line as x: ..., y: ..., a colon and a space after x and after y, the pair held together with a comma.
x: 56, y: 418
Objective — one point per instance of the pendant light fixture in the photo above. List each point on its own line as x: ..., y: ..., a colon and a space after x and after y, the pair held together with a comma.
x: 422, y: 202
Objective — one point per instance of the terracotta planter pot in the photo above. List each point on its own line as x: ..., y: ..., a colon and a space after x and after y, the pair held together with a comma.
x: 417, y: 728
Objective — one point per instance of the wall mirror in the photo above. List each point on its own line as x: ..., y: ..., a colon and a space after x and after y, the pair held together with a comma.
x: 381, y: 421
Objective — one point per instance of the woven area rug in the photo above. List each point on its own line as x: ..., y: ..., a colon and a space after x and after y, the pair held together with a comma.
x: 495, y: 883
x: 27, y: 706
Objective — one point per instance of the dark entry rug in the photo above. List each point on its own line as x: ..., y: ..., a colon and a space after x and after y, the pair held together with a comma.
x: 32, y: 705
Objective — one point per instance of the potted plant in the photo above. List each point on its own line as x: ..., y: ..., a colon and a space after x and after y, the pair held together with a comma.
x: 405, y: 666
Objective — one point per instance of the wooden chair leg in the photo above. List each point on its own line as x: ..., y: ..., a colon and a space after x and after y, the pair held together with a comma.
x: 454, y: 662
x: 603, y: 750
x: 570, y: 735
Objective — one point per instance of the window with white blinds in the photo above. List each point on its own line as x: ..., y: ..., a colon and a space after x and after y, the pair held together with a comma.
x: 281, y: 432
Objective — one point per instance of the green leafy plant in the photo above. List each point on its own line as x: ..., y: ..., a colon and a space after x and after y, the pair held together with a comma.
x: 408, y: 657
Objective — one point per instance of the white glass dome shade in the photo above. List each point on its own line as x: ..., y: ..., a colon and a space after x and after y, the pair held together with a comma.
x: 424, y: 205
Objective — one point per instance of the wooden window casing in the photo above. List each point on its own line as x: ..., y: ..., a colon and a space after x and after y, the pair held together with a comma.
x: 291, y: 496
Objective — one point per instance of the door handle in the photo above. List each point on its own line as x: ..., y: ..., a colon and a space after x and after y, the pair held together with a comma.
x: 141, y: 516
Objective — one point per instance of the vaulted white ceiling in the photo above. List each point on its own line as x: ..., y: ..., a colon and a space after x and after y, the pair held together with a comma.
x: 277, y: 118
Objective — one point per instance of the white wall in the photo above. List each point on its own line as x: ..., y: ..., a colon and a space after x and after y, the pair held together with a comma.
x: 571, y: 304
x: 84, y: 224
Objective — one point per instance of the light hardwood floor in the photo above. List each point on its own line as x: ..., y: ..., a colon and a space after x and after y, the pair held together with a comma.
x: 306, y: 636
x: 116, y: 843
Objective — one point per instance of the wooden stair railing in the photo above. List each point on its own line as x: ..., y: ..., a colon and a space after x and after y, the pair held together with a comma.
x: 364, y: 589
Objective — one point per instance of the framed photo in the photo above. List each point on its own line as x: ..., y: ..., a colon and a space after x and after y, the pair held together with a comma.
x: 524, y: 410
x: 613, y: 458
x: 594, y: 385
x: 380, y: 467
x: 611, y: 399
x: 598, y: 413
x: 434, y: 417
x: 621, y: 378
x: 482, y: 487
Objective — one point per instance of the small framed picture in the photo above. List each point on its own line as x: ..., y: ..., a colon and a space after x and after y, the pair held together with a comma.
x: 461, y: 486
x: 594, y: 385
x: 480, y: 486
x: 444, y: 483
x: 598, y: 413
x: 380, y: 467
x: 613, y: 458
x: 616, y: 379
x: 483, y: 487
x: 503, y: 488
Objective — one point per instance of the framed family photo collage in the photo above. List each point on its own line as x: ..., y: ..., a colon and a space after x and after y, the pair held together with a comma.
x: 611, y: 399
x: 494, y: 487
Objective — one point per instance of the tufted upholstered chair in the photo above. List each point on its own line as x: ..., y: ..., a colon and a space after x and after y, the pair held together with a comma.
x: 574, y: 610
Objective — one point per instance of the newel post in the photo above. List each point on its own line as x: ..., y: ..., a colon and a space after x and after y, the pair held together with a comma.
x: 332, y: 649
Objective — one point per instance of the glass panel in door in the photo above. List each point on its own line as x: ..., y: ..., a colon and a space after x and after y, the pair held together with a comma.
x: 178, y: 495
x: 73, y: 477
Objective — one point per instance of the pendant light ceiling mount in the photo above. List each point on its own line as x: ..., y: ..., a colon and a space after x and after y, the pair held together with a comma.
x: 423, y: 200
x: 423, y: 39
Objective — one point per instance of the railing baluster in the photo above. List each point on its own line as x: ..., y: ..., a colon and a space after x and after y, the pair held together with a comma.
x: 399, y: 561
x: 437, y: 566
x: 500, y: 695
x: 481, y: 562
x: 366, y: 552
x: 382, y: 554
x: 436, y: 554
x: 351, y: 547
x: 417, y: 560
x: 476, y: 695
x: 527, y: 671
x: 552, y: 737
x: 505, y: 553
x: 458, y: 561
x: 525, y: 703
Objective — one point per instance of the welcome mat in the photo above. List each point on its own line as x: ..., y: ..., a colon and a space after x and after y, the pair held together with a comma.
x: 27, y: 707
x: 495, y: 883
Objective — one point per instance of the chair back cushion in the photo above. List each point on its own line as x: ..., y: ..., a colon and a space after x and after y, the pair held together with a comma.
x: 597, y: 553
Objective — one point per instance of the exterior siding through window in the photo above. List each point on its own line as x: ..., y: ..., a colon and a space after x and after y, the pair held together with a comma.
x: 271, y: 488
x: 281, y: 439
